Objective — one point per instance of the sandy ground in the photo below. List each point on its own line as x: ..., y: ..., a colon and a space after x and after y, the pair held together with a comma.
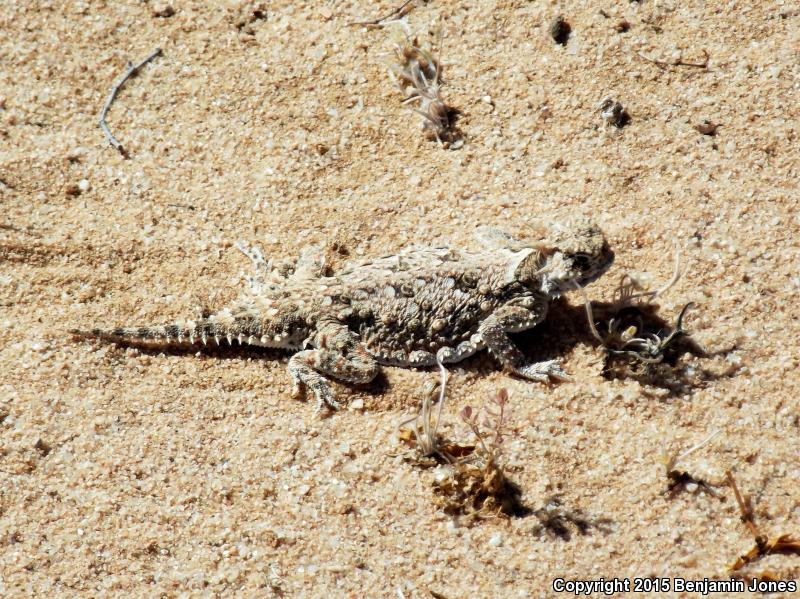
x: 134, y: 473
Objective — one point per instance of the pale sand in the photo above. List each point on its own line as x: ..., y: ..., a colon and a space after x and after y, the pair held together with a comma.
x: 126, y: 473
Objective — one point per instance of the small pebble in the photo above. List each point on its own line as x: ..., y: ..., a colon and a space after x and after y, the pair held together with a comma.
x: 560, y: 30
x: 707, y: 127
x: 614, y: 113
x: 163, y: 10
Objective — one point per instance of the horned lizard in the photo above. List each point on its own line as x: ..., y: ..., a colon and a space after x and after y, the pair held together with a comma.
x: 407, y: 309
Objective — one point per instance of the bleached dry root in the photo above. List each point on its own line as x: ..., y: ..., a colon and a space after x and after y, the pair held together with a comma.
x: 428, y: 441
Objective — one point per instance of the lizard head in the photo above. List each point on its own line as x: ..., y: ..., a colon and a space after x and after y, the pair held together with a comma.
x: 573, y: 253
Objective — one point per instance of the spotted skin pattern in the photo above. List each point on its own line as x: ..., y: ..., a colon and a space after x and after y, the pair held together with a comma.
x: 408, y: 309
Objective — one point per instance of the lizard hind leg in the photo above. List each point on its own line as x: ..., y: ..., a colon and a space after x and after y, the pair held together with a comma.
x: 337, y: 353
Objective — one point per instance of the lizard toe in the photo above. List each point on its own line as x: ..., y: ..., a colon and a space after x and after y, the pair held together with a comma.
x: 543, y: 371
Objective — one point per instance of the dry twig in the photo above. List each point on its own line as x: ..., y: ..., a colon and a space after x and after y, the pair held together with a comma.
x: 131, y: 72
x: 678, y: 62
x: 397, y: 13
x: 784, y: 544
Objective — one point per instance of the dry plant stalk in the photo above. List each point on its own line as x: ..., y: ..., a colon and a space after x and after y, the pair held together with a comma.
x: 429, y: 443
x: 784, y: 544
x: 133, y: 70
x: 430, y: 446
x: 418, y: 74
x: 679, y: 62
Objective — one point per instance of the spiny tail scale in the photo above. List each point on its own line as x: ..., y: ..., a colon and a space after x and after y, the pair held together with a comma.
x: 193, y: 332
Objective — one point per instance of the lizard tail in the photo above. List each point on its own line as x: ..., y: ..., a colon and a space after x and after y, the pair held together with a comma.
x: 195, y: 332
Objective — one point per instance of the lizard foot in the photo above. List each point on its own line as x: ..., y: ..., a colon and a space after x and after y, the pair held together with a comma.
x: 543, y: 371
x: 304, y: 378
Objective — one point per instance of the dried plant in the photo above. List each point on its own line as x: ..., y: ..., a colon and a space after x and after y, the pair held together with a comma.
x: 428, y: 442
x: 682, y: 479
x: 418, y: 74
x: 476, y: 486
x: 627, y: 335
x: 473, y: 484
x: 648, y: 348
x: 632, y: 290
x: 784, y: 544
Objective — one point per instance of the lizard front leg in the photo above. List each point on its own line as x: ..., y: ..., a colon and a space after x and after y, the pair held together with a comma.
x: 494, y: 334
x: 338, y: 353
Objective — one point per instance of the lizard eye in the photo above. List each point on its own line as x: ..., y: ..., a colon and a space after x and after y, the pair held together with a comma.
x: 582, y: 262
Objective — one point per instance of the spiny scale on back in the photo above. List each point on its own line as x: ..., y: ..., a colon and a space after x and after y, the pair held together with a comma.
x: 406, y: 309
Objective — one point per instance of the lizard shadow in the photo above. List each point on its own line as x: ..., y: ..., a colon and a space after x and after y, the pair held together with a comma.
x: 377, y: 386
